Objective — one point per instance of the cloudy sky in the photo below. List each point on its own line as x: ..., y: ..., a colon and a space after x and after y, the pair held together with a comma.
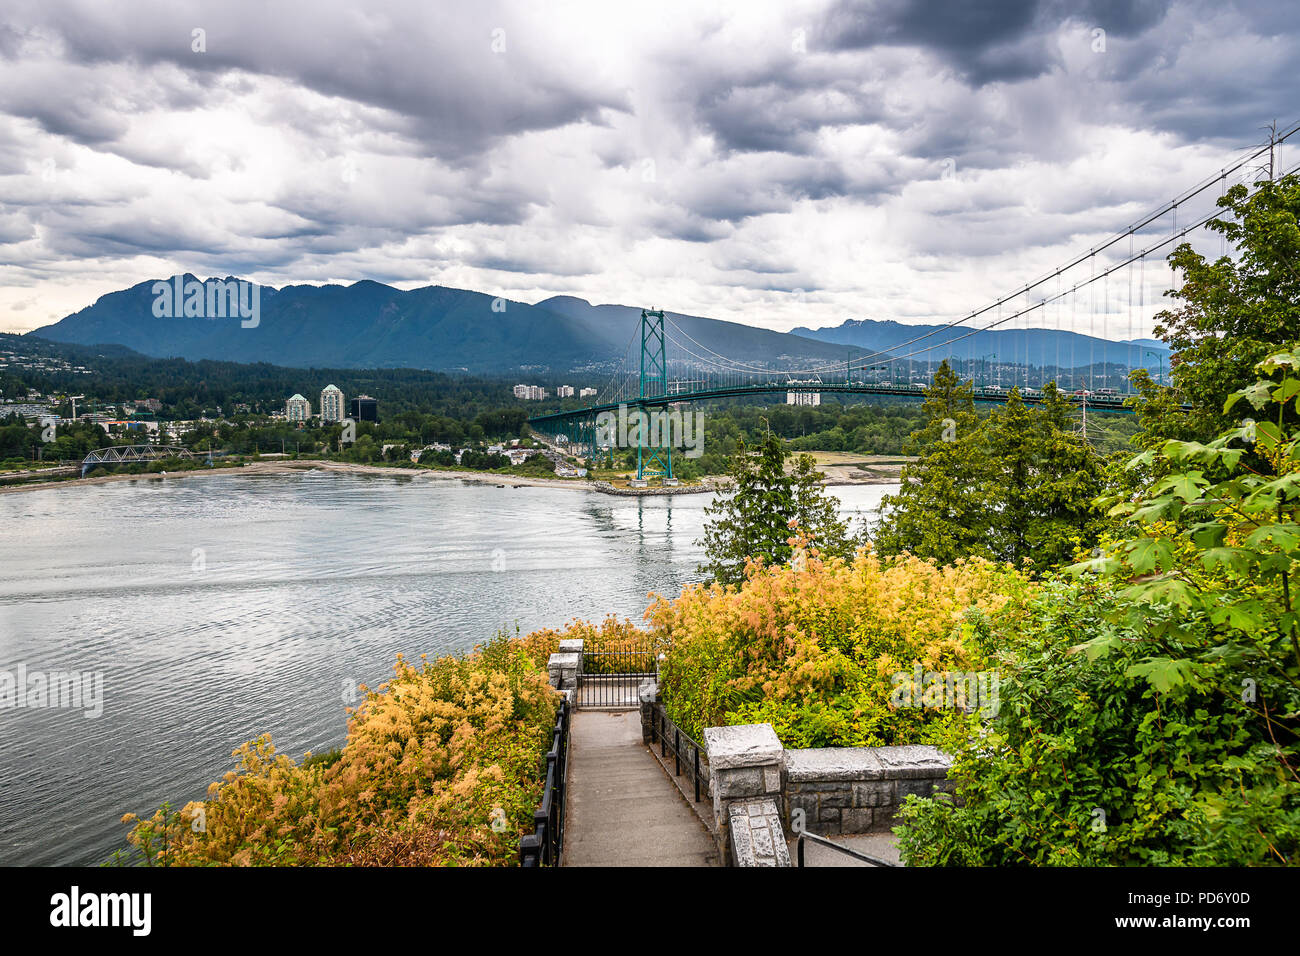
x: 781, y: 164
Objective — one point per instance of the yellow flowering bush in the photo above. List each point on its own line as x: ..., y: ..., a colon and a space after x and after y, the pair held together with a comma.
x: 814, y: 647
x: 634, y: 649
x: 441, y: 767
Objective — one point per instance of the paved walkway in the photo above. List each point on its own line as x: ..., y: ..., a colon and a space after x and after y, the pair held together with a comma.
x: 882, y: 846
x: 623, y: 809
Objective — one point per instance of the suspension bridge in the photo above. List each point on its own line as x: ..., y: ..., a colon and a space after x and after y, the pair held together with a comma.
x: 1112, y: 289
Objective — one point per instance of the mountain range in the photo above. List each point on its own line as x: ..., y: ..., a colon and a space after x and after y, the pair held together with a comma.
x: 371, y: 325
x: 1045, y: 347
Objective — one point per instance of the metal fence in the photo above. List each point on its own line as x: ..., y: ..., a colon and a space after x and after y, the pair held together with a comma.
x: 610, y: 678
x: 542, y: 847
x: 687, y: 754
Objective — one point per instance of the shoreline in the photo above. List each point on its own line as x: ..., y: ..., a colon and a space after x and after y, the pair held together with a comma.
x: 470, y: 477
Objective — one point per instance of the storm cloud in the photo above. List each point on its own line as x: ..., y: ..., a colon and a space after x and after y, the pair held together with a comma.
x: 772, y: 163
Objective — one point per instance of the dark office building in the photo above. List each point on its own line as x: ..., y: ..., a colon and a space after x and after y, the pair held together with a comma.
x: 363, y: 408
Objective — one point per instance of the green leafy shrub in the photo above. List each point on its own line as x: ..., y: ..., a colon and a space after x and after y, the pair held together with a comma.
x: 1154, y: 713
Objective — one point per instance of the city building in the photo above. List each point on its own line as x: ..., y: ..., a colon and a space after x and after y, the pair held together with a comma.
x: 587, y: 393
x: 363, y: 408
x: 803, y: 398
x: 564, y: 391
x: 297, y: 409
x: 331, y: 404
x: 530, y: 392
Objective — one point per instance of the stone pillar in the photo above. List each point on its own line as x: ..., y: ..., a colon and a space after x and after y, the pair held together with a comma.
x: 744, y: 764
x: 572, y: 645
x: 563, y: 669
x: 757, y: 838
x: 565, y: 665
x: 647, y: 696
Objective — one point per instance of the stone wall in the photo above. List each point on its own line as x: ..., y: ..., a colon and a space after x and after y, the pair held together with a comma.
x: 758, y: 786
x: 647, y: 696
x: 837, y: 790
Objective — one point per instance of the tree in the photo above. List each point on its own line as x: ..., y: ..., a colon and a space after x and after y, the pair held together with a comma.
x: 1233, y: 312
x: 1068, y: 478
x: 1016, y: 486
x: 1151, y: 712
x: 939, y: 511
x: 1042, y: 483
x: 765, y: 509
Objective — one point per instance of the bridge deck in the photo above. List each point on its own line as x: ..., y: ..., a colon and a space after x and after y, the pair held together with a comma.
x: 622, y: 808
x: 984, y: 395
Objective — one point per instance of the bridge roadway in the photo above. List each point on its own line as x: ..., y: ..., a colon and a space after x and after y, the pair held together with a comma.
x: 984, y: 394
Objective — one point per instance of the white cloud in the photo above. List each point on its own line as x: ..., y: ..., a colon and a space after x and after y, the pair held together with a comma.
x: 707, y: 161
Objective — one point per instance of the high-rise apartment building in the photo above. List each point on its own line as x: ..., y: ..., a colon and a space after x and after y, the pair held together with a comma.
x: 331, y: 404
x: 297, y: 409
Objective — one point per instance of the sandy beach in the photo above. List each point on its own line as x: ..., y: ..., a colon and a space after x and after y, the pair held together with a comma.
x: 290, y: 467
x: 840, y: 469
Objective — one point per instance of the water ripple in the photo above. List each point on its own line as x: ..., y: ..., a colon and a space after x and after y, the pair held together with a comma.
x: 225, y: 607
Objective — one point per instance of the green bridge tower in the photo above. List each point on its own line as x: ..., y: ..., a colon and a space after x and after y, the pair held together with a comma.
x: 653, y: 461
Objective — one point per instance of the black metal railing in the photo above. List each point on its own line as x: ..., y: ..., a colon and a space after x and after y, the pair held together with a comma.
x: 542, y: 847
x: 831, y: 845
x: 610, y: 679
x: 687, y: 753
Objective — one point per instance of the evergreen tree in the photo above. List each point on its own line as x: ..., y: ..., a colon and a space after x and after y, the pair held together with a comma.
x: 1018, y: 485
x: 1071, y: 476
x: 766, y: 508
x: 1010, y: 439
x: 939, y: 511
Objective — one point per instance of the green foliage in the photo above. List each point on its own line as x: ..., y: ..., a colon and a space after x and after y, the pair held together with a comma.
x: 1163, y: 690
x: 758, y: 518
x: 1016, y: 486
x: 939, y: 510
x: 1231, y: 313
x: 821, y: 649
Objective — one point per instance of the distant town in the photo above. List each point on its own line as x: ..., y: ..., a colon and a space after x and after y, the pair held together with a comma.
x: 537, y: 392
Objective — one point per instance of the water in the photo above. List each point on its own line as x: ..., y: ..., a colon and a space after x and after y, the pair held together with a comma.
x: 223, y: 607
